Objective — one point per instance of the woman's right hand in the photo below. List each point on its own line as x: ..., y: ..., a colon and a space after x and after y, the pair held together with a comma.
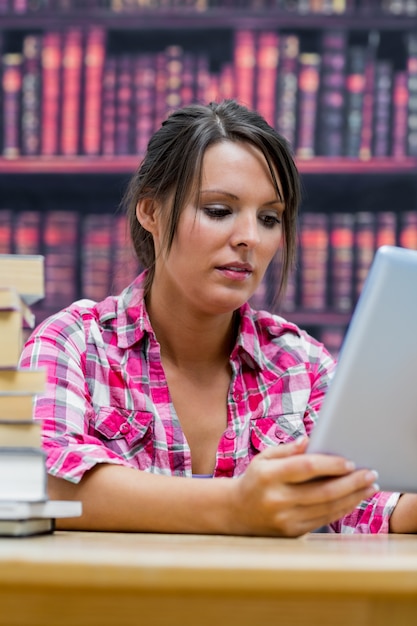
x: 287, y: 493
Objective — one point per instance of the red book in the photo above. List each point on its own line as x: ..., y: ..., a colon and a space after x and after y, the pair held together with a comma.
x: 12, y: 87
x: 174, y: 74
x: 266, y: 74
x: 6, y: 231
x: 245, y: 61
x: 308, y: 89
x: 72, y: 65
x: 202, y: 78
x: 94, y: 59
x: 31, y: 94
x: 399, y: 136
x: 341, y: 261
x: 144, y: 100
x: 366, y: 140
x: 160, y: 107
x: 386, y: 229
x: 108, y: 114
x: 330, y: 119
x: 188, y: 79
x: 364, y: 248
x: 287, y: 86
x: 60, y: 236
x: 27, y: 232
x: 124, y: 101
x: 227, y: 81
x: 96, y: 262
x: 408, y: 230
x: 51, y: 97
x: 314, y: 240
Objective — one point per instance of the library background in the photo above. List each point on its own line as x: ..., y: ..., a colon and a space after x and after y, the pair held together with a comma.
x: 85, y: 83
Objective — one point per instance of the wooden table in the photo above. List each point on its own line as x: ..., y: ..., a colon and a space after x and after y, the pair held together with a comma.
x: 77, y: 578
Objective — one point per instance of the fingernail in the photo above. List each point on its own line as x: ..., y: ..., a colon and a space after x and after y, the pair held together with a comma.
x: 350, y: 466
x: 372, y: 475
x: 300, y: 440
x: 376, y: 487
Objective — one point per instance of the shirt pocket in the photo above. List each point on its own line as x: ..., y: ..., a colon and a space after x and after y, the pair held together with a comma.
x: 116, y: 424
x: 275, y: 429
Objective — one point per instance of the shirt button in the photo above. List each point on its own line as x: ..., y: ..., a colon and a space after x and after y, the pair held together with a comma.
x: 230, y: 434
x: 279, y: 434
x: 237, y: 396
x: 124, y: 428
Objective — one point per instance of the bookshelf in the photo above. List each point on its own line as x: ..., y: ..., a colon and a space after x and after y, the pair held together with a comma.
x: 83, y: 176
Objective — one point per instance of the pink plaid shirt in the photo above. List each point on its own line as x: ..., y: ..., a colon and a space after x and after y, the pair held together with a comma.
x: 107, y: 398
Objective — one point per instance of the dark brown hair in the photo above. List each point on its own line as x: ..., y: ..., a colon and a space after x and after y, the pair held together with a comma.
x: 171, y: 171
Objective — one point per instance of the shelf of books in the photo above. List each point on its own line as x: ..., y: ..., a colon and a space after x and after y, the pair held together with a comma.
x: 85, y: 84
x: 24, y: 505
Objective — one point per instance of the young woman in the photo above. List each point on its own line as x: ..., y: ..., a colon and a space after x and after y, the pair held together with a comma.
x: 178, y: 378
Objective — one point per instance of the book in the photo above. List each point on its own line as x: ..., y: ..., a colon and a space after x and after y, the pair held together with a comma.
x: 341, y: 264
x: 331, y: 104
x: 144, y: 98
x: 308, y: 88
x: 60, y: 238
x: 22, y: 474
x: 72, y: 66
x: 25, y: 273
x: 386, y: 229
x: 411, y: 44
x: 51, y: 92
x: 287, y: 86
x: 14, y: 313
x: 366, y: 140
x: 108, y: 112
x: 26, y: 527
x: 6, y: 231
x: 382, y: 108
x: 355, y: 90
x: 314, y: 244
x: 20, y: 433
x: 364, y: 248
x: 244, y: 56
x: 17, y: 407
x: 399, y: 133
x: 27, y: 232
x: 96, y: 255
x: 266, y: 74
x: 31, y: 94
x: 40, y: 510
x: 174, y: 73
x: 124, y: 98
x: 408, y: 230
x: 12, y: 87
x: 94, y: 60
x: 18, y: 380
x: 10, y: 301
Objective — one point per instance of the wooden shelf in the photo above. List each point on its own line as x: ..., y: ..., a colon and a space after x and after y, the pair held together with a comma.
x: 128, y: 164
x: 224, y: 18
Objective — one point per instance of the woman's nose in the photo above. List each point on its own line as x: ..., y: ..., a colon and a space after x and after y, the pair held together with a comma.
x: 246, y: 232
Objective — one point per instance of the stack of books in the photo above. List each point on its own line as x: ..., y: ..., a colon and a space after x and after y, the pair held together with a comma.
x: 24, y: 505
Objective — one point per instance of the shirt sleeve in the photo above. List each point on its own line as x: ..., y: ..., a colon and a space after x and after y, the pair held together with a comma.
x: 65, y: 409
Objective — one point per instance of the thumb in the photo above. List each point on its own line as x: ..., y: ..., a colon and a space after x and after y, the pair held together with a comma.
x: 286, y: 449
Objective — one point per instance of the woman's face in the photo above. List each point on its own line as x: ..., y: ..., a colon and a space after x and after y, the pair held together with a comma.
x: 223, y: 245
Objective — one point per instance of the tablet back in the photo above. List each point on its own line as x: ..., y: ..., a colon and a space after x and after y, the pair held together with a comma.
x: 369, y: 414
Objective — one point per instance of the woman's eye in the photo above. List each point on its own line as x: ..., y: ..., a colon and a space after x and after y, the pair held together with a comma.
x: 270, y: 220
x: 216, y: 213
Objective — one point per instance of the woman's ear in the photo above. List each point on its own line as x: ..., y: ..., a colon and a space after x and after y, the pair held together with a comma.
x: 147, y: 215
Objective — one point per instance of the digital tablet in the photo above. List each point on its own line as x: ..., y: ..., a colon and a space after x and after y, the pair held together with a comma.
x: 369, y: 414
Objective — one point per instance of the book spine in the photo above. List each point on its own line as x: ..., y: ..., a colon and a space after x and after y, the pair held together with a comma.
x: 94, y: 61
x: 341, y: 261
x: 408, y: 230
x: 382, y: 109
x: 143, y: 99
x: 400, y: 115
x: 72, y: 61
x: 355, y: 89
x: 51, y: 99
x: 245, y: 60
x: 266, y: 74
x: 96, y: 255
x: 6, y: 231
x: 108, y: 147
x: 12, y: 87
x: 331, y: 93
x: 31, y: 95
x: 228, y: 83
x: 27, y: 232
x: 412, y: 93
x: 386, y: 229
x: 364, y: 248
x: 188, y: 86
x: 308, y: 88
x: 314, y: 240
x: 160, y: 88
x: 124, y: 99
x: 174, y: 71
x: 125, y: 266
x: 287, y: 86
x: 366, y: 140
